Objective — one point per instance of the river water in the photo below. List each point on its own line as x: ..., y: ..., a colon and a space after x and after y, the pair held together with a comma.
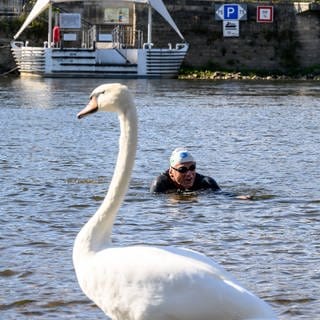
x: 256, y: 138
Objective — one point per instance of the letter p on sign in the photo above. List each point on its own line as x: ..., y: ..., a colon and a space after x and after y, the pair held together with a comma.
x: 230, y: 12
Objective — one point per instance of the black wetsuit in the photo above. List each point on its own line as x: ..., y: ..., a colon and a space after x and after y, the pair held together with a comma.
x: 164, y: 184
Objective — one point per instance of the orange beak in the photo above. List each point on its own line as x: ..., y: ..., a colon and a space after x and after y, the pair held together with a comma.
x: 91, y: 107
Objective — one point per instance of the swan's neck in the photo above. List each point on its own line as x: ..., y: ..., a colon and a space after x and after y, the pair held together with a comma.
x: 96, y: 233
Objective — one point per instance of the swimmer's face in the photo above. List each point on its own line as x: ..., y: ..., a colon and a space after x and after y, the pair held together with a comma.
x: 183, y: 174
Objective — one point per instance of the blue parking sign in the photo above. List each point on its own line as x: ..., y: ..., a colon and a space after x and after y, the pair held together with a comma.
x: 230, y: 12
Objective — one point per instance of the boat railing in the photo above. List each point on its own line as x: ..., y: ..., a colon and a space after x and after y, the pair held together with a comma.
x: 127, y: 37
x: 180, y: 46
x: 89, y: 38
x: 28, y: 59
x: 16, y: 44
x: 120, y: 37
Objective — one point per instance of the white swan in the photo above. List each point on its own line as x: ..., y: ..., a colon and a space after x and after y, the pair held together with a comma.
x: 145, y: 282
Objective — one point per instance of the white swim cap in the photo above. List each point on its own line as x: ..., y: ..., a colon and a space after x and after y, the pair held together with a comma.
x: 180, y: 155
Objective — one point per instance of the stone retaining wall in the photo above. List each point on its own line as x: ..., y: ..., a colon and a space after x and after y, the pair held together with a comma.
x: 291, y: 41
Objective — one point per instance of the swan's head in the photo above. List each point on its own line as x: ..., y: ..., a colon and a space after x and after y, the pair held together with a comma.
x: 114, y: 97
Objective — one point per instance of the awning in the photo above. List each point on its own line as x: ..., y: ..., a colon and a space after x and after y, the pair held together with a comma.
x: 42, y: 5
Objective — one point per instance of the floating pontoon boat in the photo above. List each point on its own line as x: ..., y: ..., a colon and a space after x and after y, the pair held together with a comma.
x: 98, y: 39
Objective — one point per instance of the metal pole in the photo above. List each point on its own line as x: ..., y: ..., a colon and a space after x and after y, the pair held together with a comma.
x: 134, y: 23
x: 149, y: 24
x: 50, y: 26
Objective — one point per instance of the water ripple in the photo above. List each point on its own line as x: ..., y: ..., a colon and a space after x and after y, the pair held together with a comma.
x: 257, y: 139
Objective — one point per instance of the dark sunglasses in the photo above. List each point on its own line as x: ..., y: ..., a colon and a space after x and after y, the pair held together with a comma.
x: 185, y: 169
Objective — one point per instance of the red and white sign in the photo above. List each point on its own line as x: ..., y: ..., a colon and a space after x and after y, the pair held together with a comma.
x: 265, y: 14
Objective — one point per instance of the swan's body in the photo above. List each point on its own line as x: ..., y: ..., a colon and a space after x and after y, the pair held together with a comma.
x: 145, y: 282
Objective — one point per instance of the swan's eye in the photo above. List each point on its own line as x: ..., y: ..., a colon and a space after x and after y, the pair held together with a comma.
x: 96, y: 95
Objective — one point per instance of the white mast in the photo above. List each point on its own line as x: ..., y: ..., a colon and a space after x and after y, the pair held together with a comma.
x: 50, y: 26
x: 149, y: 24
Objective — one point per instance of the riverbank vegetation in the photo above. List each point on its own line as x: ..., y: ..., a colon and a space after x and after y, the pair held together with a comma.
x: 312, y: 73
